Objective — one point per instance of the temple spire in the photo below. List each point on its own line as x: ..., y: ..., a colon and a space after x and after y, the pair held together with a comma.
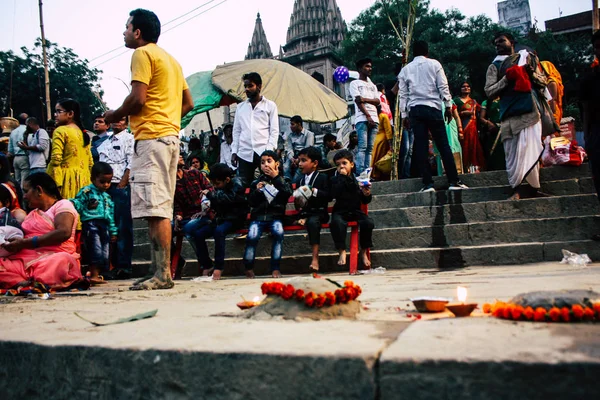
x: 259, y: 46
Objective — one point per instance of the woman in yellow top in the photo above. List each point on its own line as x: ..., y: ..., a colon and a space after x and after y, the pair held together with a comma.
x: 382, y: 146
x: 71, y: 158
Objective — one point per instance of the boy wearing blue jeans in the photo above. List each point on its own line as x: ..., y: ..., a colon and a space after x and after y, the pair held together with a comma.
x: 96, y: 211
x: 268, y: 197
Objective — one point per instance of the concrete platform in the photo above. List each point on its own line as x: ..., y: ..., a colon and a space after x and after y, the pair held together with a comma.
x: 195, y: 348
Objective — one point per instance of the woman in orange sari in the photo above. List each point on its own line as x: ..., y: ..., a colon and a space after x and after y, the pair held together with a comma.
x: 469, y: 110
x: 47, y: 252
x: 556, y: 88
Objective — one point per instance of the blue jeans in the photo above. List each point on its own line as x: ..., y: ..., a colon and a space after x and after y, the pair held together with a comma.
x: 36, y: 170
x: 254, y: 232
x: 406, y: 151
x: 121, y: 258
x: 423, y: 121
x: 97, y: 243
x: 198, y: 230
x: 290, y: 171
x: 366, y: 139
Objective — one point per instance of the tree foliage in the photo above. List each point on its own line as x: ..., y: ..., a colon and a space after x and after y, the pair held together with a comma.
x: 463, y: 46
x: 69, y: 77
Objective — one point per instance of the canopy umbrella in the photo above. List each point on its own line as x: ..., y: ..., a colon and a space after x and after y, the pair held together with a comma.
x: 293, y: 90
x: 205, y: 95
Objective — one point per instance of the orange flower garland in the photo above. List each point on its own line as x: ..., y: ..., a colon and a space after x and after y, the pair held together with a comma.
x: 349, y: 292
x: 565, y: 314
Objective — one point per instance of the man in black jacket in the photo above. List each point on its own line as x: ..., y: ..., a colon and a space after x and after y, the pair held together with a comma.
x: 314, y: 213
x: 268, y: 197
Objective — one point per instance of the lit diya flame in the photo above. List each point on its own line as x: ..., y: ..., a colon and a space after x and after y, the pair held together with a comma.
x: 461, y: 293
x: 246, y: 304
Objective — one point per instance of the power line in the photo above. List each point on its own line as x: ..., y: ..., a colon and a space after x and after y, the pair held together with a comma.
x: 162, y: 25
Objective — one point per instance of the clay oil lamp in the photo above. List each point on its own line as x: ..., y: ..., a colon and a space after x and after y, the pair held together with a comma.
x: 461, y: 309
x: 246, y: 304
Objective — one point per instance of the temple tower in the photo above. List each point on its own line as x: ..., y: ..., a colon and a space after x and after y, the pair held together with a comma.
x: 259, y: 46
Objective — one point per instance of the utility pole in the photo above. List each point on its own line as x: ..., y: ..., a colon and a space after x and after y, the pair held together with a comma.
x: 595, y: 22
x: 46, y: 75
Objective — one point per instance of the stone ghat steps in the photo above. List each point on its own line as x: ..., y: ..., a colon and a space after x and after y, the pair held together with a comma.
x: 422, y: 257
x: 466, y: 234
x: 483, y: 179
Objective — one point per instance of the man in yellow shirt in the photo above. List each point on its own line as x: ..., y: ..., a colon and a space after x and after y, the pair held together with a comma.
x: 159, y: 98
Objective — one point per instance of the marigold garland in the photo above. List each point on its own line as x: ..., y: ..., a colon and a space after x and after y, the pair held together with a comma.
x: 350, y: 291
x: 565, y: 314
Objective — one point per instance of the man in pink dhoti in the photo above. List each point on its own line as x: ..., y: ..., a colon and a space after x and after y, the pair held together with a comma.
x: 47, y: 252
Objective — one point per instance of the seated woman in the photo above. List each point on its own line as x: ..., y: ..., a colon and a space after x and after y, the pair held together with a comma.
x: 47, y: 253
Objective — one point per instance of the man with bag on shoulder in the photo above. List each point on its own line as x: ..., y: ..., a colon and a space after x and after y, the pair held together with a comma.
x: 516, y: 77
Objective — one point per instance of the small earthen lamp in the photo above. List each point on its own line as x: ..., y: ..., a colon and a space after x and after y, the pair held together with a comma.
x: 461, y: 309
x: 246, y: 304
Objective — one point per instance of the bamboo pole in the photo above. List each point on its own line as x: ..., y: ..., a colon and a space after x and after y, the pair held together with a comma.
x: 595, y: 16
x: 46, y: 75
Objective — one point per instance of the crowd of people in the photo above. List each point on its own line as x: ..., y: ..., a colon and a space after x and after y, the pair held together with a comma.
x: 84, y: 187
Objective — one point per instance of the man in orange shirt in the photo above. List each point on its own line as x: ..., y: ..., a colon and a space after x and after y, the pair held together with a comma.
x: 159, y: 98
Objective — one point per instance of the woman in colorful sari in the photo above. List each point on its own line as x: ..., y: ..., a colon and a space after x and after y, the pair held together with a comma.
x: 469, y: 109
x: 556, y: 88
x: 47, y: 253
x: 382, y: 145
x: 71, y: 158
x: 453, y: 130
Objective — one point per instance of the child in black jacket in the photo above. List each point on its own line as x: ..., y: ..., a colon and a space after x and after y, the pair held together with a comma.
x: 348, y: 197
x: 228, y: 201
x: 268, y: 197
x: 314, y: 213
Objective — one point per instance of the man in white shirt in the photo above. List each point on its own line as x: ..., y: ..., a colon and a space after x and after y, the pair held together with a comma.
x: 422, y: 85
x: 225, y: 157
x: 298, y: 139
x: 117, y: 150
x: 37, y: 146
x: 255, y: 129
x: 18, y: 155
x: 366, y: 121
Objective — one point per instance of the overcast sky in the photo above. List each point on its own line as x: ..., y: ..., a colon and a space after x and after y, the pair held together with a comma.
x: 221, y: 34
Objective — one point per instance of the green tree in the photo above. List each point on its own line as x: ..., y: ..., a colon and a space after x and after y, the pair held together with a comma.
x: 22, y: 82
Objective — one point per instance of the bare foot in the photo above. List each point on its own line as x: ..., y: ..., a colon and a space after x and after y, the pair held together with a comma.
x: 207, y: 272
x: 342, y: 259
x: 216, y: 275
x: 276, y: 274
x: 250, y: 274
x: 301, y: 222
x: 365, y: 259
x: 314, y: 265
x: 154, y: 284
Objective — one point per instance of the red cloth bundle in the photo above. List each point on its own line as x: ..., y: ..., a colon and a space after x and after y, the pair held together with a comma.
x: 520, y: 77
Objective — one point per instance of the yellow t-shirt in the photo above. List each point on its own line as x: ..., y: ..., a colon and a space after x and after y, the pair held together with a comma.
x: 161, y: 115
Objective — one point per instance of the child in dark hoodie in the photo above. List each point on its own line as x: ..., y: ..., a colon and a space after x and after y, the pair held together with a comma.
x: 268, y: 197
x: 348, y: 197
x: 229, y: 203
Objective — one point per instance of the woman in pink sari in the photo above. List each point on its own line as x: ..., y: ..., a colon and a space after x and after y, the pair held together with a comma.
x: 47, y: 253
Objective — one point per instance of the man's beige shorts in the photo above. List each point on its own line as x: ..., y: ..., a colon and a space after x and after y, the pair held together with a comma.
x: 153, y: 175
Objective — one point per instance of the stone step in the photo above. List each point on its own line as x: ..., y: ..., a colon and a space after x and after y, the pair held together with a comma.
x: 502, y: 210
x: 424, y: 257
x: 489, y: 178
x: 466, y: 234
x: 475, y: 195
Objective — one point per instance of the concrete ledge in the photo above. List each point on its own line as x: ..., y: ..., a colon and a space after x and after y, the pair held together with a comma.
x: 486, y: 358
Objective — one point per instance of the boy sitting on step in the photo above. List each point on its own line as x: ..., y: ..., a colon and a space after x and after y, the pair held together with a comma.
x: 268, y: 197
x: 230, y: 206
x: 349, y: 196
x: 314, y: 191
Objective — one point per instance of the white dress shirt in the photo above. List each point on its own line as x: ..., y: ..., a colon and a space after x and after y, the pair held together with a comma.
x: 255, y: 129
x: 41, y: 140
x: 15, y: 137
x: 225, y: 157
x: 117, y: 151
x: 423, y: 83
x: 368, y: 90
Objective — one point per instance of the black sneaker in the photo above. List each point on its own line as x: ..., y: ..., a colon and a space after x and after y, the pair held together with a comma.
x: 457, y: 186
x: 427, y: 188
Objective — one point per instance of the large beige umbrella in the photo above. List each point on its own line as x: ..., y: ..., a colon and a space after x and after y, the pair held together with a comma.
x: 294, y: 91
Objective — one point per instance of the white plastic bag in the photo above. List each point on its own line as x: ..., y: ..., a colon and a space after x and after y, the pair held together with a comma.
x: 301, y: 196
x: 270, y: 192
x: 579, y: 260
